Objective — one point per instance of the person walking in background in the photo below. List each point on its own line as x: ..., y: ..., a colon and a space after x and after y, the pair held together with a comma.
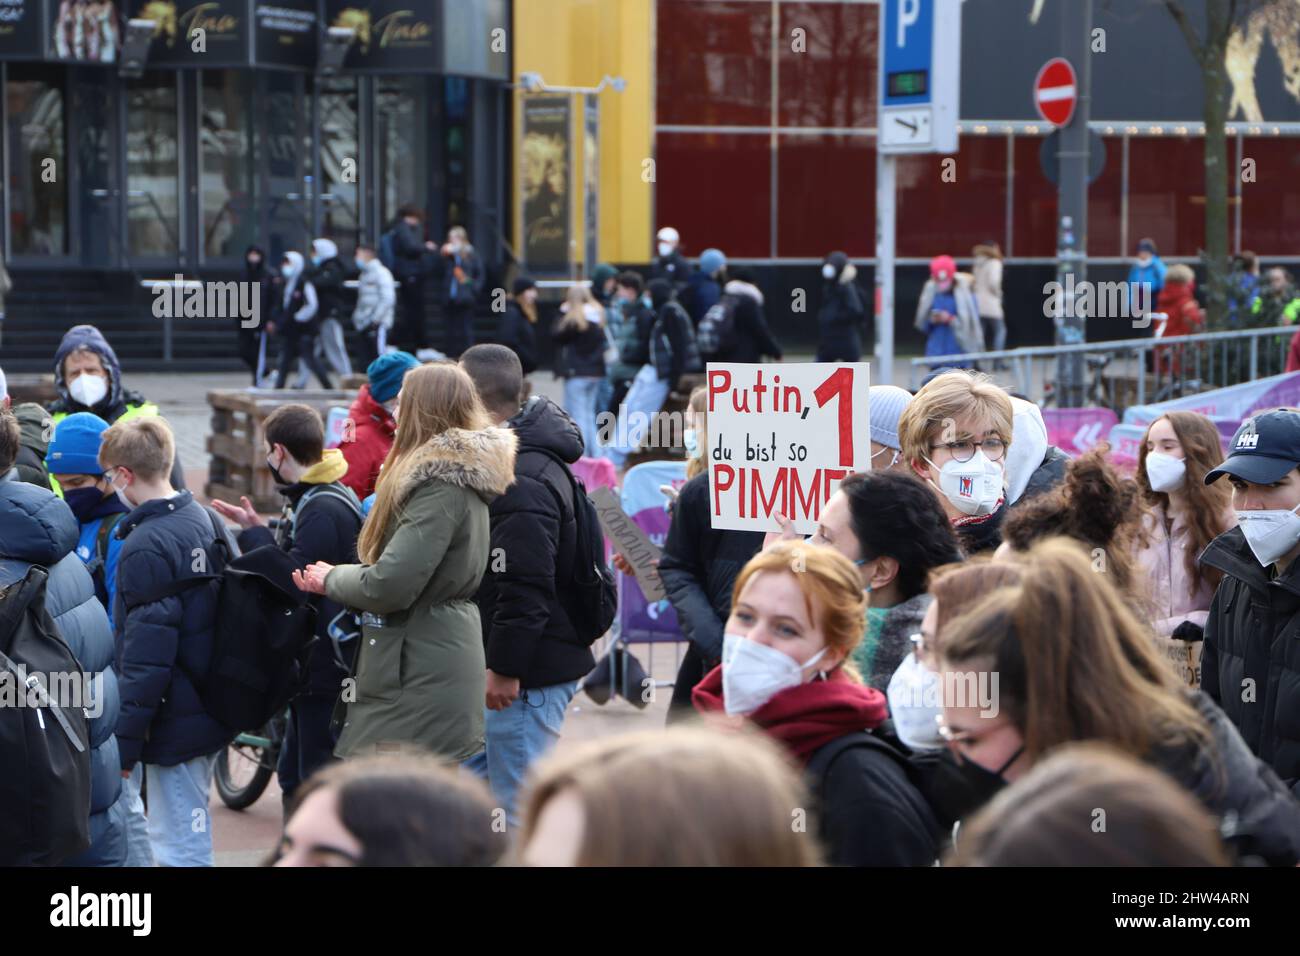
x: 519, y: 324
x: 1243, y: 286
x: 373, y: 424
x: 704, y: 286
x: 947, y: 313
x: 1183, y: 515
x: 420, y: 670
x: 36, y: 427
x: 754, y: 340
x: 839, y: 320
x: 987, y: 286
x: 411, y: 266
x: 535, y: 654
x: 462, y: 278
x: 1184, y: 316
x: 1146, y: 277
x: 580, y: 332
x: 603, y: 283
x: 296, y: 319
x: 376, y: 303
x: 253, y: 341
x: 631, y: 333
x: 669, y: 263
x: 327, y: 275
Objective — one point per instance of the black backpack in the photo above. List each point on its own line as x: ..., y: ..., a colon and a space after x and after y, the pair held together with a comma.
x: 592, y: 601
x: 44, y: 750
x: 262, y: 635
x: 717, y: 331
x: 98, y: 563
x: 820, y: 764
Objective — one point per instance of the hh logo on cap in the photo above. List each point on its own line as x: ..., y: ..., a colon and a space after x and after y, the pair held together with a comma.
x: 966, y: 487
x: 1249, y: 440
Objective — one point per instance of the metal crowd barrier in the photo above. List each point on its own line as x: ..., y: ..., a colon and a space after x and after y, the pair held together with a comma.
x: 1126, y: 372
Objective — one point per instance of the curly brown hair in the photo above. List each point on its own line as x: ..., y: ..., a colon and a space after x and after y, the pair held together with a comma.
x: 1095, y: 505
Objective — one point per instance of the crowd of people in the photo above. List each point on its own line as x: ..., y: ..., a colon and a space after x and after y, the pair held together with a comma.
x: 980, y: 635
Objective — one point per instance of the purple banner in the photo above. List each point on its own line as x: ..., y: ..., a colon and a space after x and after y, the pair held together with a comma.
x: 644, y: 502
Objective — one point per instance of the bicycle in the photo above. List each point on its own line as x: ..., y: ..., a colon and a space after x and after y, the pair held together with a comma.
x: 1098, y: 391
x: 244, y: 768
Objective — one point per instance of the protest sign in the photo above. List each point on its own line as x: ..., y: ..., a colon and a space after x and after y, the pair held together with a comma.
x: 640, y: 619
x: 630, y: 541
x: 781, y: 438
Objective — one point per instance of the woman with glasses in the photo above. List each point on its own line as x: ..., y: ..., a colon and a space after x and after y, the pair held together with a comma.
x: 1055, y: 656
x: 955, y: 435
x: 796, y: 618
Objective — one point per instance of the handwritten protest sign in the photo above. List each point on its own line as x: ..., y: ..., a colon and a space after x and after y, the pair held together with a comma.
x: 630, y: 541
x: 781, y: 438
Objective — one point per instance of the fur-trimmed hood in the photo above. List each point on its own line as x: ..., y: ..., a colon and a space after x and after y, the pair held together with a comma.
x: 849, y: 274
x: 737, y: 287
x: 482, y: 461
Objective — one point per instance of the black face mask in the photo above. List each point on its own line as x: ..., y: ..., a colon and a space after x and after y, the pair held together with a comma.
x: 275, y: 473
x: 958, y: 788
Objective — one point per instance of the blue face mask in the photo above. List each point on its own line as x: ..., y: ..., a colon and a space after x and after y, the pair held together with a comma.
x: 360, y: 264
x: 316, y: 260
x: 286, y: 270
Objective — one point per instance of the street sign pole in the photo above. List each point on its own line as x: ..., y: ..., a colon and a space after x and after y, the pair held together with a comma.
x: 1072, y: 201
x: 919, y: 94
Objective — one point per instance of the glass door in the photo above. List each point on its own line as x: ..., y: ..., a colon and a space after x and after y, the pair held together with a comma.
x: 153, y: 168
x: 37, y: 189
x: 340, y: 160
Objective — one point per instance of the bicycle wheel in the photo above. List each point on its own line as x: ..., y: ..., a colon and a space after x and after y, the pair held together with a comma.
x: 242, y: 774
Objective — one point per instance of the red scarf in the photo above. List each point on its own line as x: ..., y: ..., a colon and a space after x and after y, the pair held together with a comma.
x: 807, y: 717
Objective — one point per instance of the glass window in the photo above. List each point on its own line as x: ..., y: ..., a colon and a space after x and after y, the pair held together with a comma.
x: 284, y: 111
x: 402, y: 128
x: 714, y: 63
x: 715, y: 188
x: 944, y: 208
x: 1166, y: 193
x: 828, y: 72
x: 152, y: 166
x: 227, y: 177
x: 455, y: 131
x: 340, y: 158
x: 1270, y: 206
x: 38, y: 190
x: 826, y: 196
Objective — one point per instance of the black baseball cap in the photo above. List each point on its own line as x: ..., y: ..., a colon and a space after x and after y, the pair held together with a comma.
x: 1264, y: 449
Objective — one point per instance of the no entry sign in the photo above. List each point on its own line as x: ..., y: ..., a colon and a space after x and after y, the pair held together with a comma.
x: 1056, y: 91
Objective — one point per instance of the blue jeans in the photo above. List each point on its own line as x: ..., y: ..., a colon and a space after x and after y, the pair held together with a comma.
x: 517, y: 737
x: 644, y: 399
x: 580, y: 403
x: 138, y: 850
x: 180, y: 827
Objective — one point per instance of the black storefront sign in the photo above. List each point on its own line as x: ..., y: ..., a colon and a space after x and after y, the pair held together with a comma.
x: 1146, y: 71
x: 392, y: 36
x: 20, y: 29
x: 286, y: 33
x: 202, y: 33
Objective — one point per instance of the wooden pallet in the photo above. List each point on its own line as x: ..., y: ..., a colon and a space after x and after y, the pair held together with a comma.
x: 32, y: 388
x: 238, y: 440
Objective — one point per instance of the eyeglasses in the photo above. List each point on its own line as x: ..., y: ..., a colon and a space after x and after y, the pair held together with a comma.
x: 993, y: 448
x: 922, y: 649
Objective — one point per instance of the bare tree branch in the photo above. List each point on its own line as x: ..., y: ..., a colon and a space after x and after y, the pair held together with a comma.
x: 1176, y: 11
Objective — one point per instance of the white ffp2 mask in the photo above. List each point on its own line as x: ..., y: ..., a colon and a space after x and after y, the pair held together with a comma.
x: 914, y: 704
x: 974, y: 486
x: 88, y: 390
x: 1270, y: 534
x: 1165, y: 472
x: 753, y: 673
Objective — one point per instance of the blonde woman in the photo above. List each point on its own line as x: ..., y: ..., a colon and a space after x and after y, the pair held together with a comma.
x: 580, y: 332
x: 687, y: 797
x: 796, y: 619
x: 420, y: 671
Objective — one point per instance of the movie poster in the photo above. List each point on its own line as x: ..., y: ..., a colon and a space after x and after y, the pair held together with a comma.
x: 546, y: 179
x: 85, y: 31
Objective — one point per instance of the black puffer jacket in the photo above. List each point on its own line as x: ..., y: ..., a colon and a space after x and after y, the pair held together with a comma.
x: 753, y: 337
x: 699, y: 566
x: 582, y: 354
x: 328, y: 279
x: 526, y: 630
x: 1257, y: 815
x: 1250, y: 664
x: 325, y: 530
x: 518, y: 335
x: 839, y: 320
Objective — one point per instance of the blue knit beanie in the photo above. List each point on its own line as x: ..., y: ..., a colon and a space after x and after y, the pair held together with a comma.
x: 711, y: 260
x: 74, y: 450
x: 386, y: 373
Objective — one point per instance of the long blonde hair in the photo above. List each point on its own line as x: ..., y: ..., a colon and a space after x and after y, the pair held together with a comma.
x: 434, y: 398
x: 579, y: 300
x: 699, y: 404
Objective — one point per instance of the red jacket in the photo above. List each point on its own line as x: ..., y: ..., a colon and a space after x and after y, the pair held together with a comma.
x: 1177, y: 301
x: 373, y: 429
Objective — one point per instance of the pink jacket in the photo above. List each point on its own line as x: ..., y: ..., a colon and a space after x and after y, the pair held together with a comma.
x: 1163, y: 567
